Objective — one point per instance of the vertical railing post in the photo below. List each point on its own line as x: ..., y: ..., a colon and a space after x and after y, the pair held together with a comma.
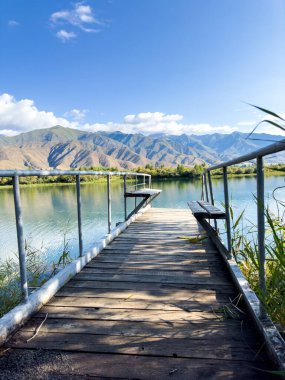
x: 109, y: 203
x: 227, y: 209
x: 136, y: 187
x: 125, y: 198
x: 149, y: 182
x: 212, y: 196
x: 261, y: 228
x: 210, y: 187
x: 20, y: 238
x: 79, y: 216
x: 206, y: 187
x: 202, y: 194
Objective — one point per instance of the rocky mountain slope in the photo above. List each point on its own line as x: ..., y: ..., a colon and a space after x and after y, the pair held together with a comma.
x: 63, y: 148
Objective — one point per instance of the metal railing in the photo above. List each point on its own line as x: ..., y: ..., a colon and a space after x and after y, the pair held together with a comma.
x: 16, y: 174
x: 207, y: 193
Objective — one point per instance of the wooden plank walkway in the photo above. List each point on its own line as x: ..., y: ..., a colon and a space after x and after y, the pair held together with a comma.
x: 150, y: 306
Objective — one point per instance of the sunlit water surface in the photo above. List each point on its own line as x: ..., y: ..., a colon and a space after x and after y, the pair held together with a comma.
x: 50, y: 214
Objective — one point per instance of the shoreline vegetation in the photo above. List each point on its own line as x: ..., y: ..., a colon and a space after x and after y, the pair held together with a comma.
x: 158, y: 173
x: 245, y: 251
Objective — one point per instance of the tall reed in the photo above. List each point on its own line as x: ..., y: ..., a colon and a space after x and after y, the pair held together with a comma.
x: 245, y: 252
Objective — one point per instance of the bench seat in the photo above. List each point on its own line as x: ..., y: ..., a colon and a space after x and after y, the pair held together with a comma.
x: 205, y: 210
x: 143, y: 193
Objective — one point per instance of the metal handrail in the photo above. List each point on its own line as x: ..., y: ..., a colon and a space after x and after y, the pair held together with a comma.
x: 42, y: 173
x: 270, y: 149
x: 258, y: 155
x: 16, y: 174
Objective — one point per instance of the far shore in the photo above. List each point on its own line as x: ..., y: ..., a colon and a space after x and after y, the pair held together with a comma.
x: 169, y: 176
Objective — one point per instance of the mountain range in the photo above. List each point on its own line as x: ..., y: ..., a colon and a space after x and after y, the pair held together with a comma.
x: 63, y: 148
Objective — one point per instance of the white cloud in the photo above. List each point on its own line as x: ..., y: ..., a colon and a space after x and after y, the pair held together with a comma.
x: 13, y: 23
x: 246, y: 123
x: 76, y: 114
x: 263, y: 127
x: 23, y: 115
x: 157, y: 122
x: 64, y: 36
x: 80, y: 17
x: 18, y: 116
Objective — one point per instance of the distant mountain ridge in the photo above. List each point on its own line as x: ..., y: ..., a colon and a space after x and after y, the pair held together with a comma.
x: 63, y: 148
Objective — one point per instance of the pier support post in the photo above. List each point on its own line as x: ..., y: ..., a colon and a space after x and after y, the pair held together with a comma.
x: 20, y: 238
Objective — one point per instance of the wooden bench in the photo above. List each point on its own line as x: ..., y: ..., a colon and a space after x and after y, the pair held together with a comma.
x: 144, y: 193
x: 147, y: 195
x: 205, y: 210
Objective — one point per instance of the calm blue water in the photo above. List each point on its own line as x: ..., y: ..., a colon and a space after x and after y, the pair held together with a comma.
x: 49, y: 212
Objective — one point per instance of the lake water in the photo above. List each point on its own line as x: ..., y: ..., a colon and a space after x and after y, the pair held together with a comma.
x: 49, y: 212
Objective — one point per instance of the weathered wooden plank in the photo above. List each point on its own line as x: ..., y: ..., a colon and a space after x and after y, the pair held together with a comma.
x: 168, y: 347
x: 155, y: 262
x: 201, y: 331
x: 60, y: 312
x: 157, y: 272
x: 77, y: 366
x: 143, y: 193
x: 140, y: 367
x: 197, y: 210
x: 214, y: 212
x: 196, y: 265
x: 150, y: 287
x: 161, y: 250
x: 205, y: 210
x: 155, y: 240
x: 151, y: 254
x: 206, y: 302
x: 150, y: 278
x: 76, y: 290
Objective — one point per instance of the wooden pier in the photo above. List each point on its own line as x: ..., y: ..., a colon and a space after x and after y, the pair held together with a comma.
x: 150, y: 306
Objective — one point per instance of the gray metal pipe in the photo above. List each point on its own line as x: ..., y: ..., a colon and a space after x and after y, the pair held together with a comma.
x: 227, y: 210
x: 211, y: 188
x: 261, y: 227
x: 41, y: 173
x: 206, y: 187
x: 202, y: 183
x: 136, y: 187
x: 109, y: 203
x: 125, y: 198
x: 212, y: 197
x: 79, y: 216
x: 20, y: 238
x: 270, y: 149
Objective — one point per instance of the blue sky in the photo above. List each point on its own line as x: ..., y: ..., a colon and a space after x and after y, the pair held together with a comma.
x: 140, y: 65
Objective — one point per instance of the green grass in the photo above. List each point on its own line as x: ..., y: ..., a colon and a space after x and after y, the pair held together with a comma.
x: 38, y: 272
x: 245, y: 252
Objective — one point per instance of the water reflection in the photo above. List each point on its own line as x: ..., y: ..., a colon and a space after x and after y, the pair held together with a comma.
x: 49, y: 212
